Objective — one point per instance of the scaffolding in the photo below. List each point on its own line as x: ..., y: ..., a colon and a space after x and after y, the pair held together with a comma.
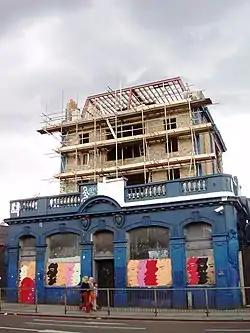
x: 166, y: 97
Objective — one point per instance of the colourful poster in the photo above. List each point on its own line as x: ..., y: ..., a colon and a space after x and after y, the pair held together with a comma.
x: 63, y: 273
x: 149, y: 273
x: 200, y: 270
x: 27, y: 276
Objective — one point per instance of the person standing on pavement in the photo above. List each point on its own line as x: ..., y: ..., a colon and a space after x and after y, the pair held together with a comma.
x: 93, y: 292
x: 85, y: 294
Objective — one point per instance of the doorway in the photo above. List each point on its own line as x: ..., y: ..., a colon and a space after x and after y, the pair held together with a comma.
x: 105, y: 279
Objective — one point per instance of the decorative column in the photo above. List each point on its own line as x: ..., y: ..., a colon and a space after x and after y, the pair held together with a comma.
x: 120, y: 272
x: 223, y: 296
x: 234, y: 271
x: 86, y: 259
x: 178, y: 261
x: 41, y: 272
x: 12, y: 274
x: 120, y: 261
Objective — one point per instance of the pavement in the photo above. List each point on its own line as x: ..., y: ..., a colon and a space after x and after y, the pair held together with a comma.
x: 10, y: 323
x: 135, y: 314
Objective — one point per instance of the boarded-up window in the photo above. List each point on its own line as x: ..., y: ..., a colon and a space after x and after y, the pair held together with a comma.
x: 27, y: 248
x: 199, y: 254
x: 63, y: 246
x: 103, y: 244
x: 149, y: 243
x: 198, y: 239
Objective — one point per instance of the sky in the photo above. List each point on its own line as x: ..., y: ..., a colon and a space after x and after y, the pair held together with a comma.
x: 82, y: 46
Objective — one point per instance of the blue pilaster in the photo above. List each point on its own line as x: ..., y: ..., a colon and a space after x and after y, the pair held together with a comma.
x: 12, y: 274
x: 120, y: 263
x: 233, y: 267
x: 40, y: 272
x: 222, y: 279
x: 86, y: 259
x: 178, y: 260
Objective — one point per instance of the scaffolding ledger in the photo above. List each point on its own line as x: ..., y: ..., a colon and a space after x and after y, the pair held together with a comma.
x: 153, y: 132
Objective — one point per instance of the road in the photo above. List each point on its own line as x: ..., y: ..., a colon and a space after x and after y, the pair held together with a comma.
x: 20, y: 324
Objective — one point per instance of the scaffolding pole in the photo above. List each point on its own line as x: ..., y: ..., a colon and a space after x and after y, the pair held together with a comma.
x: 62, y: 139
x: 144, y: 147
x: 192, y: 133
x: 76, y: 157
x: 116, y: 149
x: 81, y: 157
x: 95, y: 149
x: 192, y: 160
x: 99, y: 111
x: 116, y: 140
x: 167, y: 141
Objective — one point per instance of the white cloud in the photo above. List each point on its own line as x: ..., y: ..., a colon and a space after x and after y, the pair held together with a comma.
x: 83, y: 48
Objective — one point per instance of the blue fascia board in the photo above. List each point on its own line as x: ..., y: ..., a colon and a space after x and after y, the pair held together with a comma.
x: 184, y: 204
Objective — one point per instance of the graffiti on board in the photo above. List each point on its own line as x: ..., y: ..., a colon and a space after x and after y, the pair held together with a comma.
x: 149, y: 273
x: 27, y: 276
x: 63, y: 273
x: 200, y: 270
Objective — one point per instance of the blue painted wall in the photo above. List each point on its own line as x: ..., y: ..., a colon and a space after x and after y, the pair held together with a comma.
x: 102, y: 213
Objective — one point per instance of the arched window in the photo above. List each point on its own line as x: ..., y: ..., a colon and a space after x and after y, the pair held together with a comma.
x: 63, y: 245
x: 148, y: 243
x: 63, y: 260
x: 103, y: 268
x: 149, y: 264
x: 199, y: 254
x: 103, y: 244
x: 27, y: 248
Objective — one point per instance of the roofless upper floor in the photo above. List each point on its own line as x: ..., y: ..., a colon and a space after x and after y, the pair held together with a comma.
x: 128, y: 103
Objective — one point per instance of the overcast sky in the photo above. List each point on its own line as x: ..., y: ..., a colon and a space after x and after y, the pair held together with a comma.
x: 81, y: 46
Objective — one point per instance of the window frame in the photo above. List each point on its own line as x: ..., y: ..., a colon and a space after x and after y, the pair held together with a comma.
x: 108, y: 248
x: 134, y: 253
x: 199, y: 245
x: 75, y: 249
x: 172, y: 146
x: 83, y: 138
x: 170, y: 124
x: 27, y: 253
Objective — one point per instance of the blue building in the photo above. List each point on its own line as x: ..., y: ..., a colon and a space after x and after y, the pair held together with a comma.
x: 180, y: 234
x: 104, y: 233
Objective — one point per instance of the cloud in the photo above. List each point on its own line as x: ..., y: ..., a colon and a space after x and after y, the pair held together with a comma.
x: 14, y: 14
x: 54, y: 50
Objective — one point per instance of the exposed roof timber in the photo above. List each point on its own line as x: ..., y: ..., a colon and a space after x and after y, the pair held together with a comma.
x: 119, y: 104
x: 157, y: 92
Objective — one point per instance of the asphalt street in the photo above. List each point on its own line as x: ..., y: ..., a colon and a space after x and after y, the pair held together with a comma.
x: 20, y: 324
